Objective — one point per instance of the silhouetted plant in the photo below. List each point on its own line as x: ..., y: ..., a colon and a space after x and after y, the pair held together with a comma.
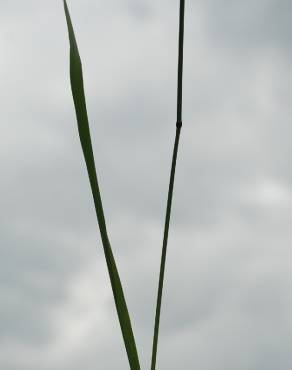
x: 77, y: 87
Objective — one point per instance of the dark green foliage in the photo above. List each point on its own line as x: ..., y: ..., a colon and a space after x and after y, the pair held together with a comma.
x: 84, y: 134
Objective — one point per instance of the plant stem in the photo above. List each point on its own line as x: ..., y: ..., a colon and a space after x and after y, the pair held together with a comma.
x: 171, y: 183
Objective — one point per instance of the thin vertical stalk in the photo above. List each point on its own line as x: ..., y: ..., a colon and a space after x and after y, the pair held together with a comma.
x: 171, y: 182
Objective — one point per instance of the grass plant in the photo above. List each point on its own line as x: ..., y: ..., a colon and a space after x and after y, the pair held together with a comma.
x: 77, y: 87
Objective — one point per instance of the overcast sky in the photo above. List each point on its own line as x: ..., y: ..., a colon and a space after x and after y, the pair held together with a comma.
x: 227, y: 302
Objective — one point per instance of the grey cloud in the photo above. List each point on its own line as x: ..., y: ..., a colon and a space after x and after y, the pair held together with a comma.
x: 226, y: 302
x: 250, y: 25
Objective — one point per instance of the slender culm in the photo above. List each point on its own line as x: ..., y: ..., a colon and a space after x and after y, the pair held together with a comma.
x: 171, y: 182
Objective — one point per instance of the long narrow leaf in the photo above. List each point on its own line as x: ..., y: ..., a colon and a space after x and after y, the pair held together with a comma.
x: 84, y: 133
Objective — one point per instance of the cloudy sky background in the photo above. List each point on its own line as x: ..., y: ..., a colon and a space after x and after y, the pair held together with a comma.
x: 227, y: 300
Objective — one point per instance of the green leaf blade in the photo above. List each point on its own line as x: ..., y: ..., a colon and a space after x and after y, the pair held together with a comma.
x: 77, y: 86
